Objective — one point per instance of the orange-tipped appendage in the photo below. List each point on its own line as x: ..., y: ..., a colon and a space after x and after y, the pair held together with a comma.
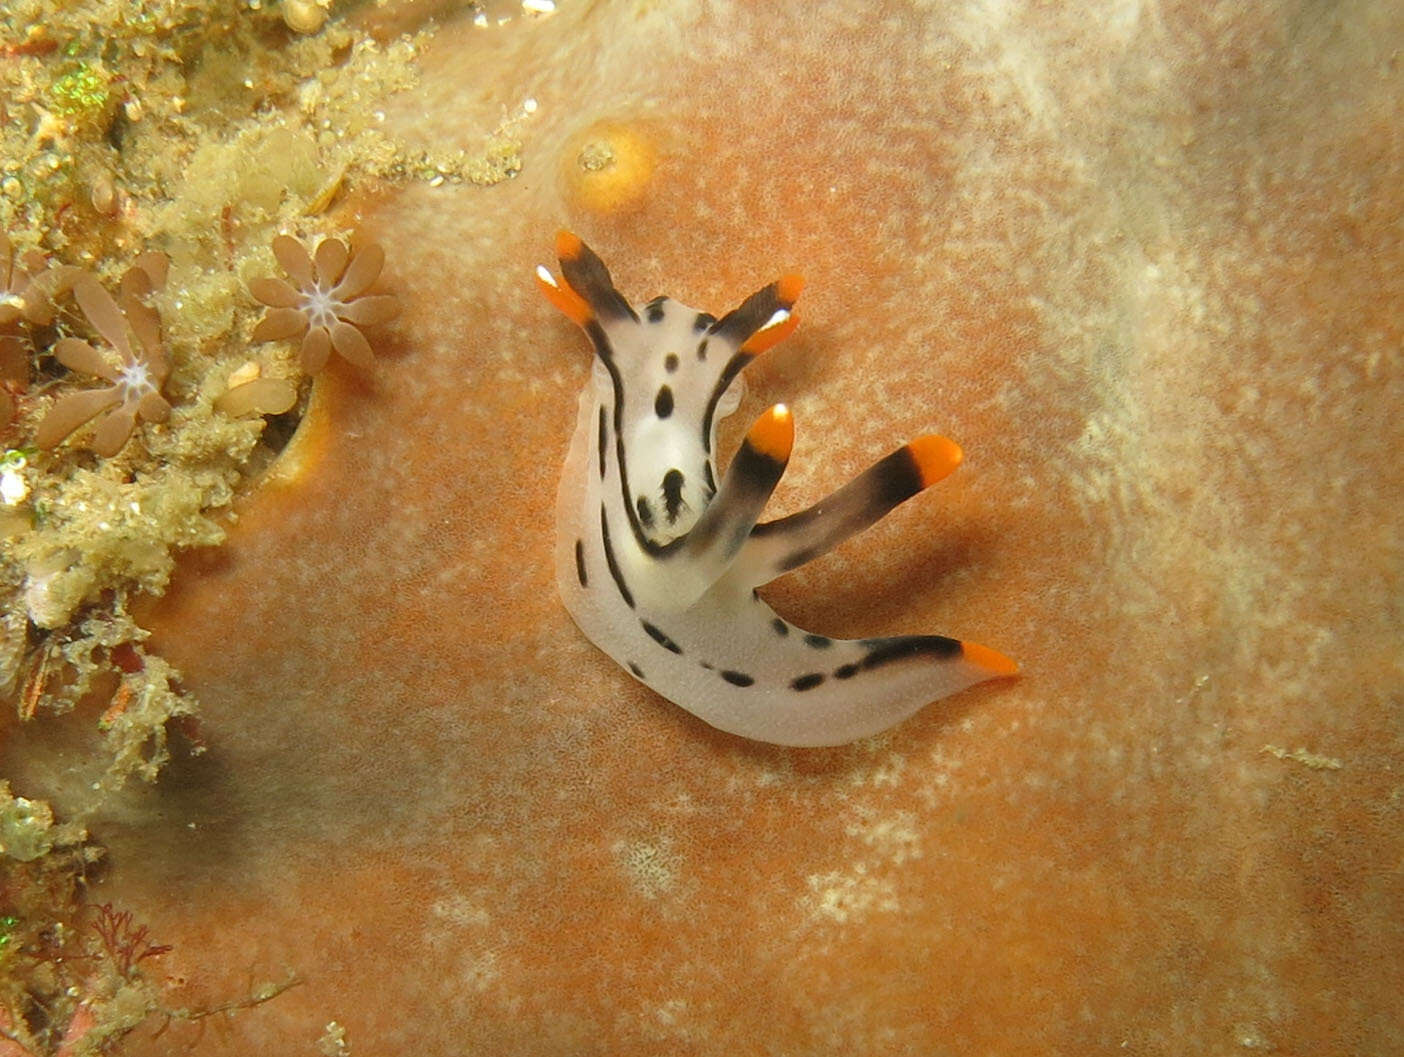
x: 773, y: 434
x: 568, y: 245
x: 935, y: 457
x: 788, y: 287
x: 767, y: 337
x: 571, y: 305
x: 787, y: 290
x: 991, y: 660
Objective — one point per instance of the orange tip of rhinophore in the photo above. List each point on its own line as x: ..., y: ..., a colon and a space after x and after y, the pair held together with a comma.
x: 779, y: 327
x: 788, y: 287
x: 568, y: 245
x: 935, y: 457
x: 991, y: 660
x: 773, y: 434
x: 571, y: 305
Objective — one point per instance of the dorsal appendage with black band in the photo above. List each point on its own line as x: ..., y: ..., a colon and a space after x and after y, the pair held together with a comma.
x: 658, y: 561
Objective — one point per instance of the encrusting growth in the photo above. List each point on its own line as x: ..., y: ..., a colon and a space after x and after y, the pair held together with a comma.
x: 257, y: 396
x: 135, y: 391
x: 326, y: 301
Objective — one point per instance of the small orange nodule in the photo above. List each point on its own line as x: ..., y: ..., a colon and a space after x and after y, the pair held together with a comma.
x: 610, y: 167
x: 935, y: 456
x: 773, y: 434
x: 990, y: 660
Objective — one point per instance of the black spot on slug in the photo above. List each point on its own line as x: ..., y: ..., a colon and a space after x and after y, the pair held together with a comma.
x: 781, y: 628
x: 819, y: 642
x: 848, y: 671
x: 670, y: 362
x: 737, y: 678
x: 645, y: 512
x: 663, y: 402
x: 580, y: 563
x: 659, y: 637
x: 654, y: 309
x: 702, y: 322
x: 673, y: 482
x: 702, y: 350
x: 806, y: 682
x: 638, y: 672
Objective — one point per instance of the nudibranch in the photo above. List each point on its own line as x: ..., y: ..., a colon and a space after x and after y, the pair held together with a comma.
x: 658, y: 561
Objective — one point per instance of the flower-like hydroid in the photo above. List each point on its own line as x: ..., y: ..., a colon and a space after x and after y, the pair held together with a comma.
x: 21, y: 295
x: 28, y: 286
x: 326, y: 302
x: 135, y: 391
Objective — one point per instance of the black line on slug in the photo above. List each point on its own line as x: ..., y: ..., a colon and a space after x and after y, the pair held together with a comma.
x: 587, y: 275
x: 904, y: 647
x: 728, y: 375
x: 660, y: 637
x: 604, y: 441
x: 609, y: 560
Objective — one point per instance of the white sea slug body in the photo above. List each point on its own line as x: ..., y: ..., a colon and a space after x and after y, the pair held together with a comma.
x: 658, y: 561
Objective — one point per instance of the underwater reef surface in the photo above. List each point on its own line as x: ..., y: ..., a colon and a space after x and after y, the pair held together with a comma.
x: 1142, y: 261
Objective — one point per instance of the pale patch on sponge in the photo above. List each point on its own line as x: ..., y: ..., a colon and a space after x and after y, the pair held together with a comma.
x: 652, y: 866
x: 843, y: 896
x: 866, y: 885
x: 460, y: 921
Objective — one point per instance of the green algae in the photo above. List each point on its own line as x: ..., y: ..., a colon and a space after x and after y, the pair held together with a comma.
x: 82, y: 92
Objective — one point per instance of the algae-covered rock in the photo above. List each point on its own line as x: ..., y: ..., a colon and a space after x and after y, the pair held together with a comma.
x: 27, y: 829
